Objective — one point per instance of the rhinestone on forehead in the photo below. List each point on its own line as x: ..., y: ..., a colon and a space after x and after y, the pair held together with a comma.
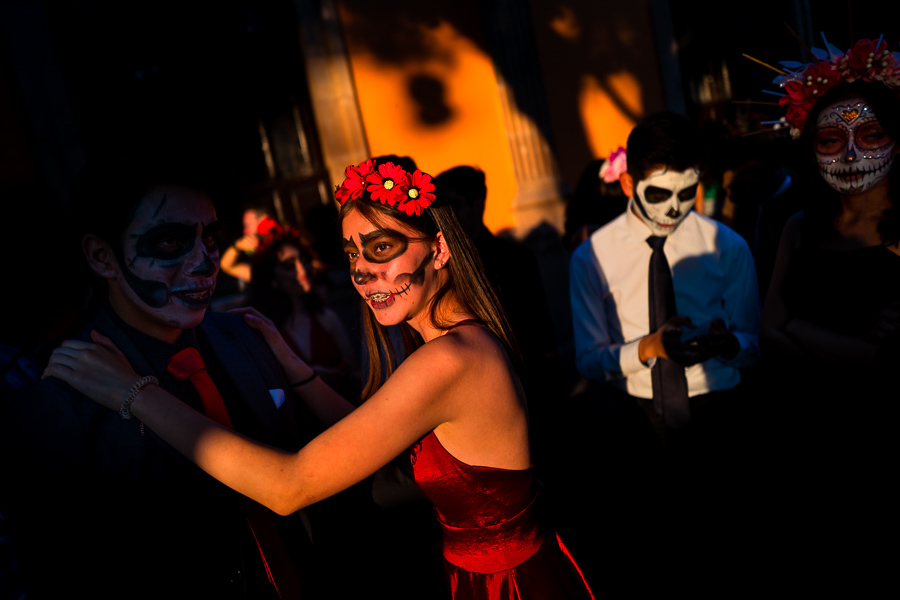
x: 850, y: 115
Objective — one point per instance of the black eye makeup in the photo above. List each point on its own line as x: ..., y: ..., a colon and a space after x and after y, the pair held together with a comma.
x: 872, y: 136
x: 166, y: 241
x: 169, y: 241
x: 830, y: 140
x: 688, y: 193
x: 350, y: 250
x: 211, y: 236
x: 655, y: 195
x: 383, y: 245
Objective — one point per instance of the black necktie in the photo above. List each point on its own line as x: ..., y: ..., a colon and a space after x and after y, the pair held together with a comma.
x: 670, y: 395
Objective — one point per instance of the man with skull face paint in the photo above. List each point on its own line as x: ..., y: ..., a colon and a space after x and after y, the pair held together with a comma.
x: 714, y: 331
x: 152, y: 242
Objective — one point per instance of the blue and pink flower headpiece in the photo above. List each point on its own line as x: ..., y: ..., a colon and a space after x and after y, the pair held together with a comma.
x: 389, y: 184
x: 805, y: 83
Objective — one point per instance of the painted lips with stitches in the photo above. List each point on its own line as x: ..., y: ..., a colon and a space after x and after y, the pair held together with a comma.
x: 383, y: 297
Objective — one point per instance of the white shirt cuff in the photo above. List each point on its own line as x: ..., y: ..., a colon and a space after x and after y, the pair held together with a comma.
x: 629, y: 358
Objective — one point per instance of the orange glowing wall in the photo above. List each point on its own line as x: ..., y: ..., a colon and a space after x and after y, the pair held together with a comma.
x: 600, y: 73
x: 597, y: 62
x: 459, y: 122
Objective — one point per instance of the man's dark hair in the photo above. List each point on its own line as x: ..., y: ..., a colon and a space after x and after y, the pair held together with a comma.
x: 107, y: 192
x: 662, y: 139
x: 466, y: 189
x: 467, y: 181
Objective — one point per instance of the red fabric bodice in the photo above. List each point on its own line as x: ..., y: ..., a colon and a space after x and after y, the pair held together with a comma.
x: 492, y: 543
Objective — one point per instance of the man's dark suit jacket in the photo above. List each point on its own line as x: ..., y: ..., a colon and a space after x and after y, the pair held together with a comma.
x: 101, y: 507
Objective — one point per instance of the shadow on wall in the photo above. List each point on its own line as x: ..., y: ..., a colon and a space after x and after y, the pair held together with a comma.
x: 573, y: 44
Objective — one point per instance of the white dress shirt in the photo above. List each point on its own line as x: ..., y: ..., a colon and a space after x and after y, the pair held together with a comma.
x: 713, y: 275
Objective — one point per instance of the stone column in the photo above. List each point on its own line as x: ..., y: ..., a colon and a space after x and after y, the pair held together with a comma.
x: 512, y: 45
x: 333, y: 95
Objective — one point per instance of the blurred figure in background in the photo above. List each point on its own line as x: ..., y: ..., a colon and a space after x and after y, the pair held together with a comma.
x: 45, y: 298
x: 236, y: 260
x: 762, y: 198
x: 283, y: 287
x: 512, y: 270
x: 598, y: 198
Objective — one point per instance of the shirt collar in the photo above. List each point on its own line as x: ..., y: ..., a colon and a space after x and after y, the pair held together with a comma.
x: 156, y: 352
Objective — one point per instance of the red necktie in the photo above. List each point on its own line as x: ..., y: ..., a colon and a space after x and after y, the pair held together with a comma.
x: 188, y: 364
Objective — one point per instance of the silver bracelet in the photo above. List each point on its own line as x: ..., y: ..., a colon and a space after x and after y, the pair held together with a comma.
x: 125, y: 411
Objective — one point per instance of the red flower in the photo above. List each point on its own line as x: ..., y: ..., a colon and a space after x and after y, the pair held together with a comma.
x: 341, y: 194
x: 268, y: 226
x: 365, y: 168
x: 863, y: 52
x: 354, y: 182
x: 388, y: 183
x: 797, y: 92
x: 804, y: 91
x: 418, y: 193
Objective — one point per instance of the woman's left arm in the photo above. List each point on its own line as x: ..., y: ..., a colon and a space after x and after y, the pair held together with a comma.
x: 408, y: 406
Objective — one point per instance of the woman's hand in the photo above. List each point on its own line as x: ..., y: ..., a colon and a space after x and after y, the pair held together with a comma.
x: 247, y: 244
x: 293, y: 366
x: 98, y: 370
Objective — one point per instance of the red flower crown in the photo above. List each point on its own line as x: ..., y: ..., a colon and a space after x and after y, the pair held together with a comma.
x: 389, y: 184
x: 804, y: 84
x: 274, y: 232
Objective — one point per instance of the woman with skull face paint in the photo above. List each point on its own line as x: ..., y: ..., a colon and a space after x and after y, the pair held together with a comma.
x: 454, y: 405
x: 831, y: 317
x: 833, y: 301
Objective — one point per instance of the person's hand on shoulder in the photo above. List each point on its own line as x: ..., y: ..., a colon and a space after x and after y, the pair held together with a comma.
x: 294, y: 367
x: 97, y: 369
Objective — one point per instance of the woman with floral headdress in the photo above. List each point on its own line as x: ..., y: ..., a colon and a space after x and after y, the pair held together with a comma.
x: 454, y: 403
x: 832, y: 314
x: 832, y: 305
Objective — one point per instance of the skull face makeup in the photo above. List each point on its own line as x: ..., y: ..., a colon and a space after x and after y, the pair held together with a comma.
x: 665, y: 197
x: 394, y: 273
x: 853, y: 150
x: 167, y: 262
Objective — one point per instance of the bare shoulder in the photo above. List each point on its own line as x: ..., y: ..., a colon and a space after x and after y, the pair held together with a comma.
x: 465, y: 348
x: 464, y: 356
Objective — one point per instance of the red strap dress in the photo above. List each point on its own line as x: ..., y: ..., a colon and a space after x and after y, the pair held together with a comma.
x: 493, y: 546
